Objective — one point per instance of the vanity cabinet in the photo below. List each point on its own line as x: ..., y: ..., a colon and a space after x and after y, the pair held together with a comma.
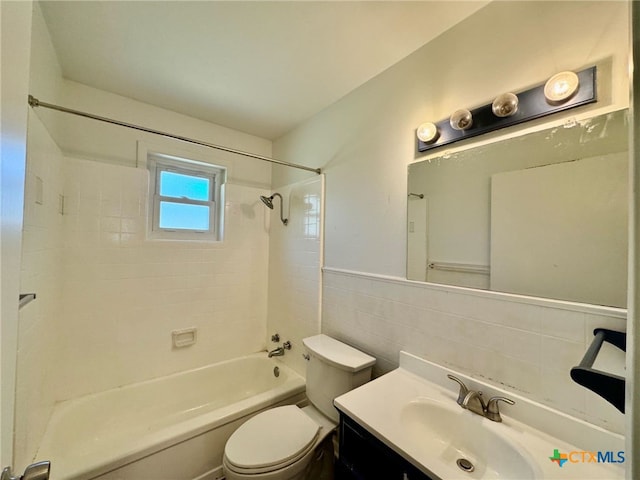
x: 364, y: 457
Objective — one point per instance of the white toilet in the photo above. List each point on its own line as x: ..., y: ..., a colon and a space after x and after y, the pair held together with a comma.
x: 281, y: 443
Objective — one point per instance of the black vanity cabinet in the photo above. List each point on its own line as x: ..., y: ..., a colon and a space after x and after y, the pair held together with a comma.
x: 364, y: 457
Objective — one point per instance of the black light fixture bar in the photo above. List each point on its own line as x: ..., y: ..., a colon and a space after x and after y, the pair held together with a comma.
x: 532, y: 104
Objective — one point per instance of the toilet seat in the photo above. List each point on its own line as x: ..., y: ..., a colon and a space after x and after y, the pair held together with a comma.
x: 271, y: 440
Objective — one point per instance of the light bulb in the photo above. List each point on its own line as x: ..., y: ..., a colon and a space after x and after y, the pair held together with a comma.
x: 427, y: 132
x: 561, y: 87
x: 461, y: 120
x: 505, y: 105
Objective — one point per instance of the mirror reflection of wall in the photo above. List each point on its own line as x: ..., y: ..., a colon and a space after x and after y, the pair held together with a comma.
x: 542, y: 214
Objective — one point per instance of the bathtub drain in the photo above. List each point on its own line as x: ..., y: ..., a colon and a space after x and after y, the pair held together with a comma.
x: 465, y: 465
x: 276, y: 372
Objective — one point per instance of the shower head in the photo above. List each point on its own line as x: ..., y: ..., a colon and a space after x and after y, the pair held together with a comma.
x: 268, y: 201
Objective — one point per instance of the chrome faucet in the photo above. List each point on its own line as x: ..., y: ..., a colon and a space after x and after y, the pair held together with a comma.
x: 472, y: 400
x: 35, y: 471
x: 279, y: 352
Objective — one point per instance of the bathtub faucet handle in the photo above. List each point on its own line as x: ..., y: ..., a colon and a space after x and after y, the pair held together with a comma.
x: 275, y: 338
x: 287, y: 345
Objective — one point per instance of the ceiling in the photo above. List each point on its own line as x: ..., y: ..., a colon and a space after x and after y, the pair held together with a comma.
x: 257, y: 67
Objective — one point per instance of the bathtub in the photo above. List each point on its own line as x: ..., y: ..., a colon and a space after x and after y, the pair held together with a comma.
x: 170, y: 428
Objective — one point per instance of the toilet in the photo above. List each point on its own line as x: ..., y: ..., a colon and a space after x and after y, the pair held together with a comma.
x: 283, y: 443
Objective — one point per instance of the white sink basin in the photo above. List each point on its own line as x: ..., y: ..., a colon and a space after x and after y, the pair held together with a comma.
x: 463, y: 441
x: 413, y: 410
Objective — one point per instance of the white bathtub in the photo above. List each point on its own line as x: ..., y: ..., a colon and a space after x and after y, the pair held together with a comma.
x: 170, y: 428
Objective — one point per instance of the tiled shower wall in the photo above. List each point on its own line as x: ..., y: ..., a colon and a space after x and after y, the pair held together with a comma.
x: 41, y: 273
x: 107, y: 299
x: 526, y: 347
x: 124, y: 295
x: 295, y: 257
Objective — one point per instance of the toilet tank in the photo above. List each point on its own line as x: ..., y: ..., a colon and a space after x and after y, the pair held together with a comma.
x: 334, y: 368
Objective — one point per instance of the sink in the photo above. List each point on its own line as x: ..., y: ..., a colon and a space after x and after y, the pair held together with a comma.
x: 413, y: 410
x: 464, y: 442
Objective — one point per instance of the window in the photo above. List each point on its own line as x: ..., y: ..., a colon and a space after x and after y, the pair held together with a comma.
x: 311, y: 218
x: 185, y: 199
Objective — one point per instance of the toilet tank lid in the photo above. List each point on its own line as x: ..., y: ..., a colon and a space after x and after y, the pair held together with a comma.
x: 338, y: 354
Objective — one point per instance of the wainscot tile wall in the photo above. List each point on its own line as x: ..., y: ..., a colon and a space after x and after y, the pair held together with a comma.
x: 524, y: 345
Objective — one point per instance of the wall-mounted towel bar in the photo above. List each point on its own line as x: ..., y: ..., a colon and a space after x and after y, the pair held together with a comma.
x: 608, y: 385
x: 459, y: 267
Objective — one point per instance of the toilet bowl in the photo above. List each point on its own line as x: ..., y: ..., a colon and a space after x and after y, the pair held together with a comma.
x: 284, y: 443
x: 278, y: 444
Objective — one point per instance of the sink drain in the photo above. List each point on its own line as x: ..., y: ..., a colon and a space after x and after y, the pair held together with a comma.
x: 465, y: 465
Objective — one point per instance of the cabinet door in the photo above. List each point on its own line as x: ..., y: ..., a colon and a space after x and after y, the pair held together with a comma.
x: 364, y: 457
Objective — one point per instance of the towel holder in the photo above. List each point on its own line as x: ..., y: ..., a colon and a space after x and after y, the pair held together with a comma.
x: 608, y: 385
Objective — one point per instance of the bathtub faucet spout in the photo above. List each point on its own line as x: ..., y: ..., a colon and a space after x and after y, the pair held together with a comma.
x: 279, y: 352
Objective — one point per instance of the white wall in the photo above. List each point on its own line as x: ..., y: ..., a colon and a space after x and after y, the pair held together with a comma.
x: 41, y: 266
x: 110, y: 298
x: 364, y: 143
x: 15, y: 19
x: 633, y: 345
x: 531, y: 231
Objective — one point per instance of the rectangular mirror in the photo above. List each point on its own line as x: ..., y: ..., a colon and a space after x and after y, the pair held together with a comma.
x: 542, y: 214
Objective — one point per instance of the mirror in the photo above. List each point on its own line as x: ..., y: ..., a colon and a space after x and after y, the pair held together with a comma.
x: 542, y: 214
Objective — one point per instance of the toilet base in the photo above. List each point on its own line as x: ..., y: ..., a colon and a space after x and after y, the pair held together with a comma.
x: 318, y: 464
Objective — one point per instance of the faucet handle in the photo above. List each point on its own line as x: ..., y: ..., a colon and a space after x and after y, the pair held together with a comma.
x: 462, y: 394
x: 493, y: 411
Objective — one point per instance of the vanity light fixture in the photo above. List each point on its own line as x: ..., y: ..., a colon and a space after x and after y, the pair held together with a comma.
x: 563, y: 91
x: 427, y: 132
x: 461, y: 119
x: 561, y: 87
x: 505, y: 105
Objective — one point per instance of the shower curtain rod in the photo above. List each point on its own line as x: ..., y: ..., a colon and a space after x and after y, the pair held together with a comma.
x: 34, y: 102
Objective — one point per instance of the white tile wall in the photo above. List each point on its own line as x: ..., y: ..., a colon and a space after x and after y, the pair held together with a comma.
x: 123, y: 294
x: 295, y: 258
x: 108, y: 299
x: 41, y: 272
x: 526, y: 347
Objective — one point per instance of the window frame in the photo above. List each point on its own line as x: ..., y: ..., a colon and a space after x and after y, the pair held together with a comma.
x: 158, y: 163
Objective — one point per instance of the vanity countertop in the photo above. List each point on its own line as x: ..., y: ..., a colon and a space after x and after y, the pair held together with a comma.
x: 413, y: 411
